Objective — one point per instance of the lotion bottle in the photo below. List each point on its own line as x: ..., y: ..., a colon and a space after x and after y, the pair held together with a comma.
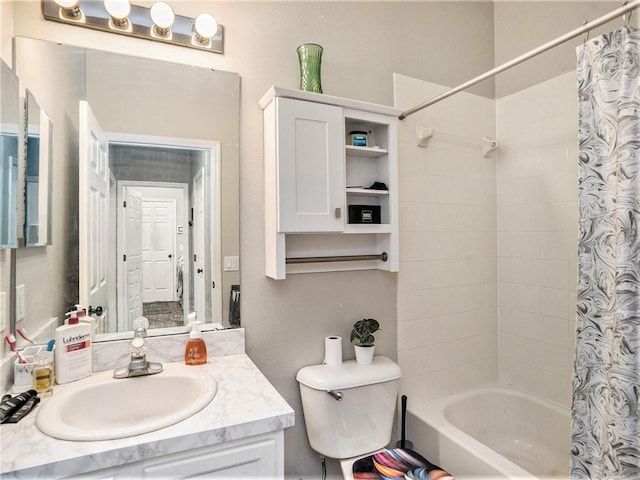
x: 195, y: 352
x: 73, y: 359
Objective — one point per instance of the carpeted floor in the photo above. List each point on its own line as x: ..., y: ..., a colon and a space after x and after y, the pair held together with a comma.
x: 163, y: 314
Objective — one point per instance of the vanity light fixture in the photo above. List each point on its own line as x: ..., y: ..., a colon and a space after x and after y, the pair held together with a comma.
x: 158, y: 23
x: 118, y: 10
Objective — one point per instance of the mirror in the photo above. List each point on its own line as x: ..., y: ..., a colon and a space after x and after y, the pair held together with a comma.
x: 37, y: 192
x: 9, y: 109
x: 164, y: 138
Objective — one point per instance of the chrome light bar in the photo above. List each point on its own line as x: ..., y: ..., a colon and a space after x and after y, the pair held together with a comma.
x: 138, y: 23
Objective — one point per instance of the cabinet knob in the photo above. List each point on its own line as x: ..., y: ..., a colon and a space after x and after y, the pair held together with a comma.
x: 338, y: 212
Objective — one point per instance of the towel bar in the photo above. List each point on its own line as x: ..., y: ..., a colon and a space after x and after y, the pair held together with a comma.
x: 339, y: 258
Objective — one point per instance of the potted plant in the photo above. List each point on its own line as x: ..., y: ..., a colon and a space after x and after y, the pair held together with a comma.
x: 363, y: 339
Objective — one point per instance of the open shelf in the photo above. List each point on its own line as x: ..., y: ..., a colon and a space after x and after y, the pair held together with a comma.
x: 366, y: 191
x: 367, y: 152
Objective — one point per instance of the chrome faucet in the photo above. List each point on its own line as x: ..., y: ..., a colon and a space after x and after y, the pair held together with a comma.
x: 138, y: 364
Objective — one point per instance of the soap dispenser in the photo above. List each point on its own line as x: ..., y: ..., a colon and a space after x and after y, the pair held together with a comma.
x: 81, y: 313
x: 195, y: 353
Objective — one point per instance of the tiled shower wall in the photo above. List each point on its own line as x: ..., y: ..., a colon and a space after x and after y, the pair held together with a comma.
x: 537, y: 173
x: 447, y: 285
x: 486, y: 288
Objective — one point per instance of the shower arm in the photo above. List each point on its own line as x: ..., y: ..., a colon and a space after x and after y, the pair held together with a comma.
x: 586, y: 27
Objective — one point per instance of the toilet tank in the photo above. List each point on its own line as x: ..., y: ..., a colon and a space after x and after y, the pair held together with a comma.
x: 362, y: 420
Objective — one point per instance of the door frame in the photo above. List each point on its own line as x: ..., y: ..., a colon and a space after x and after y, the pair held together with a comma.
x: 212, y: 149
x: 201, y: 234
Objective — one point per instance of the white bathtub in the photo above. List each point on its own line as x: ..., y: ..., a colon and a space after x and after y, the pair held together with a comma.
x: 492, y: 432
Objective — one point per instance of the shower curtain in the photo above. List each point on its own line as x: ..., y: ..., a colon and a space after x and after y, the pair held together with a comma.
x: 606, y: 379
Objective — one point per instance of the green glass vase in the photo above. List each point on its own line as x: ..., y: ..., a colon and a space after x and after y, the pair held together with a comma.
x: 310, y: 58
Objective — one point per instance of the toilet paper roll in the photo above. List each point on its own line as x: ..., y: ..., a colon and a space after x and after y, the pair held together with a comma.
x: 332, y: 350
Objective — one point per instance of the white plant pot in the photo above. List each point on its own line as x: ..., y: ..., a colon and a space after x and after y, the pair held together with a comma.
x: 364, y: 354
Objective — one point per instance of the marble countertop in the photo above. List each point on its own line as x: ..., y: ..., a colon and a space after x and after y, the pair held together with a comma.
x: 246, y: 404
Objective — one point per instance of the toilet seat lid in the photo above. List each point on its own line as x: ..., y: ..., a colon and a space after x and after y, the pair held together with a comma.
x: 349, y: 374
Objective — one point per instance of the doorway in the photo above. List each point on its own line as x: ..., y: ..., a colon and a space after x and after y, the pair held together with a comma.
x: 166, y: 232
x: 152, y: 242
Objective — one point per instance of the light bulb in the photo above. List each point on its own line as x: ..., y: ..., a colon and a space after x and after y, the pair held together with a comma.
x: 67, y: 3
x: 206, y: 26
x: 162, y: 16
x: 69, y: 8
x: 119, y: 10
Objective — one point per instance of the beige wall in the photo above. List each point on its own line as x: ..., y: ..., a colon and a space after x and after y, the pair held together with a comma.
x: 6, y: 31
x: 522, y: 26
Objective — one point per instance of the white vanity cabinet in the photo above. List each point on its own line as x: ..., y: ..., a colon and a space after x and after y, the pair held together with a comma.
x: 239, y: 434
x: 260, y: 456
x: 321, y: 213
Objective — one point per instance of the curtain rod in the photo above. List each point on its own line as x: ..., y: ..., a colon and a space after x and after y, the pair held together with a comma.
x: 627, y: 7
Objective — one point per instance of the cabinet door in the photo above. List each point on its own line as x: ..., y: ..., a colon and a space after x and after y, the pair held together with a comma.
x: 310, y: 167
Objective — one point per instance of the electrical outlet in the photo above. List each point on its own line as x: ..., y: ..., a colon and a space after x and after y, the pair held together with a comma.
x: 231, y: 264
x: 20, y: 302
x: 3, y: 311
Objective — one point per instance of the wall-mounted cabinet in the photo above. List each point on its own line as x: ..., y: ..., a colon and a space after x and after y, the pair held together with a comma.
x: 331, y: 186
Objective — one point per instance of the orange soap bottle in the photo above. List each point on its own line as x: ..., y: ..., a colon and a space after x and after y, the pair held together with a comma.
x: 195, y: 353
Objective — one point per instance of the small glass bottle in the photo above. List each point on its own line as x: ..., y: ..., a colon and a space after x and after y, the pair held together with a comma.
x: 43, y: 373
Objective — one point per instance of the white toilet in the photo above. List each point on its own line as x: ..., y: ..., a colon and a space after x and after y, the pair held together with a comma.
x: 349, y: 408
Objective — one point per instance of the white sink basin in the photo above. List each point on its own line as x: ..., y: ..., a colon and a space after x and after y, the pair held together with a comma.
x: 104, y: 408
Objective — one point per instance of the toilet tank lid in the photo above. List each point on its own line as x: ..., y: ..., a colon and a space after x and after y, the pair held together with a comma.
x: 349, y: 374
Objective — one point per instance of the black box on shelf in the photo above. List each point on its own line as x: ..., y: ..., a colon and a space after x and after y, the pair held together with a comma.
x: 364, y: 213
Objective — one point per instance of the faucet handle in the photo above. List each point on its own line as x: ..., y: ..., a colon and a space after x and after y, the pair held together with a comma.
x: 138, y: 347
x: 141, y: 322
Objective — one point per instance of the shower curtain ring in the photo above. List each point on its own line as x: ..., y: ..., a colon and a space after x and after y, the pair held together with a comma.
x: 585, y: 35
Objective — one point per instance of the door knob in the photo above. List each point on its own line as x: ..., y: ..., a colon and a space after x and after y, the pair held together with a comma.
x: 170, y: 256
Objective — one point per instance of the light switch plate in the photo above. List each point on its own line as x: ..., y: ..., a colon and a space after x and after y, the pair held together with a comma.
x: 231, y: 264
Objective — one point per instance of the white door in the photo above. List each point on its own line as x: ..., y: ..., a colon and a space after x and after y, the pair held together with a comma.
x: 94, y: 211
x: 311, y: 174
x: 131, y: 260
x: 198, y: 246
x: 158, y: 250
